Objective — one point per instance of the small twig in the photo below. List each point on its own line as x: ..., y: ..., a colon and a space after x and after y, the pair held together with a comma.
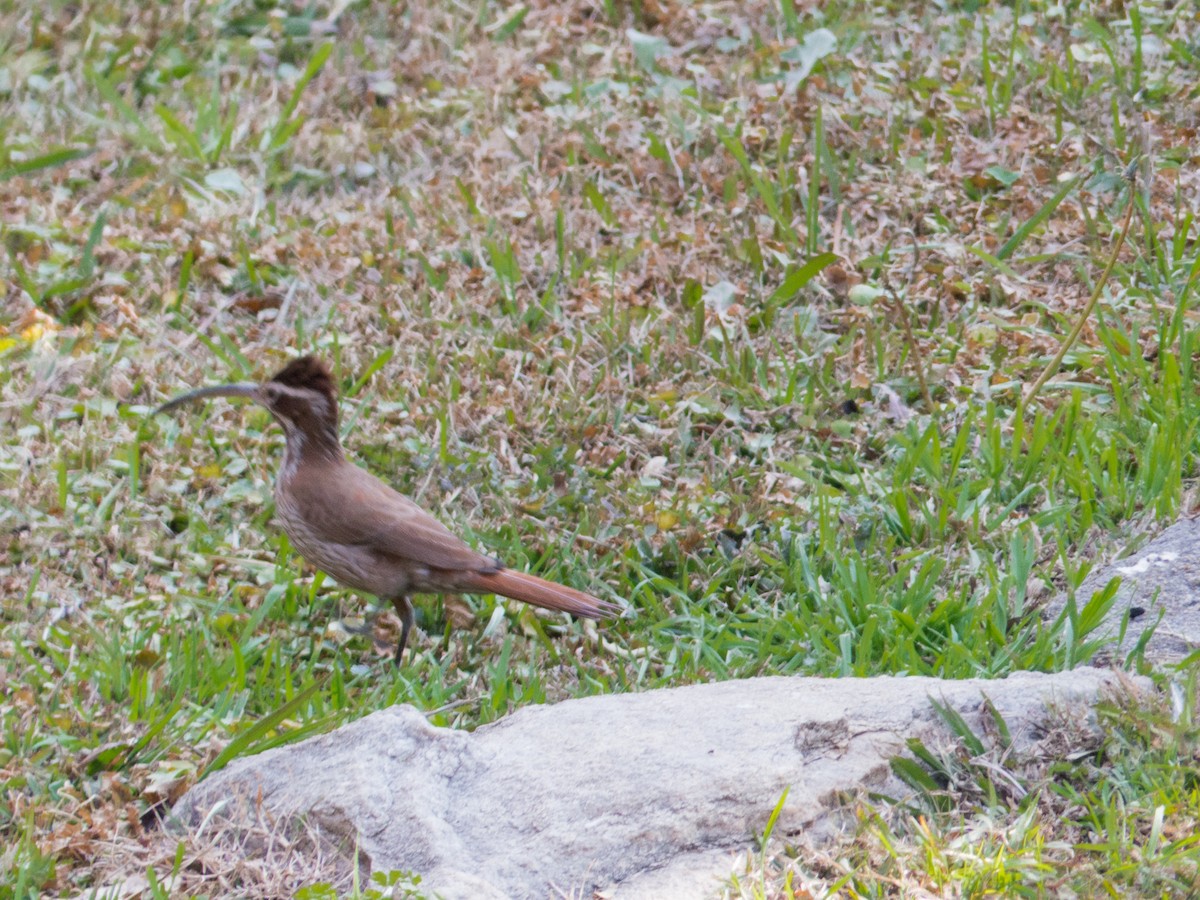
x: 456, y: 704
x: 902, y: 313
x: 1077, y: 328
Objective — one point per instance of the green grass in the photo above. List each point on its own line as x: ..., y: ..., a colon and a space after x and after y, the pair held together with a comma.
x: 664, y: 314
x: 1103, y: 810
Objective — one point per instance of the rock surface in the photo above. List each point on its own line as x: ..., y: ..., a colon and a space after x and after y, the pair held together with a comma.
x: 1161, y: 579
x: 637, y: 795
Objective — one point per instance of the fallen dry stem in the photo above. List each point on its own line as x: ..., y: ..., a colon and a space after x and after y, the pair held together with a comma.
x: 1077, y: 328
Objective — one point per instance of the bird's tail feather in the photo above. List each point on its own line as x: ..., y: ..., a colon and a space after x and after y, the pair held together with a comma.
x: 539, y: 592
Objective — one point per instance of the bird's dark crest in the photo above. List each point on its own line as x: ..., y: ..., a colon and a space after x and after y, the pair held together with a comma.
x: 307, y: 372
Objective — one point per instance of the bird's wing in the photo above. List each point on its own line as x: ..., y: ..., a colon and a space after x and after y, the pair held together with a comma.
x: 389, y: 523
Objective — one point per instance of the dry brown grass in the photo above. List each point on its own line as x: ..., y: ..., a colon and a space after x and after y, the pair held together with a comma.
x: 570, y: 284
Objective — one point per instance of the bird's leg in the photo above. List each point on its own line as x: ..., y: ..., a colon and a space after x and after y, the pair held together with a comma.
x: 404, y: 610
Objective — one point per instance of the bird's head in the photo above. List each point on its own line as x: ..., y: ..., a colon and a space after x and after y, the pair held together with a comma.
x: 301, y: 397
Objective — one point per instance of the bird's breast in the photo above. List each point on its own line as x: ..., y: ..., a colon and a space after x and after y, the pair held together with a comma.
x: 353, y: 565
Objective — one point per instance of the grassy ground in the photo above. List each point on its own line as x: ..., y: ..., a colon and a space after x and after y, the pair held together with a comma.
x: 721, y: 310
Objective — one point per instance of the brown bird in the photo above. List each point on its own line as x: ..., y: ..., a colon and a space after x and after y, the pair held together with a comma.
x: 350, y: 524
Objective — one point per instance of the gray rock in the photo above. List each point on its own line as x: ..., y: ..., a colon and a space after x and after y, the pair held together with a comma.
x: 635, y: 795
x: 1161, y: 579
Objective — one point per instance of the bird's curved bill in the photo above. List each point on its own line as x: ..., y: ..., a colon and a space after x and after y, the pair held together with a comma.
x: 246, y: 389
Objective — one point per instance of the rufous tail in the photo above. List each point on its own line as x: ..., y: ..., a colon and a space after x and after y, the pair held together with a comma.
x: 539, y: 592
